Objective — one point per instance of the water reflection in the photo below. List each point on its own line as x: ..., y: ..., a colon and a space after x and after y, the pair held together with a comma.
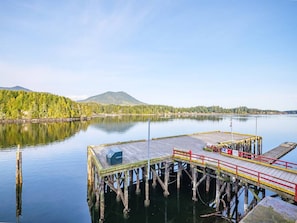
x: 32, y: 134
x: 29, y: 134
x: 18, y: 194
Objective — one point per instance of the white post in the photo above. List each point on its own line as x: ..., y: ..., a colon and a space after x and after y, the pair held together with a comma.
x: 148, y: 149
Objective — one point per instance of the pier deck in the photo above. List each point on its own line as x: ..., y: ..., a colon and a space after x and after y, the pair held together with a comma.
x: 136, y: 152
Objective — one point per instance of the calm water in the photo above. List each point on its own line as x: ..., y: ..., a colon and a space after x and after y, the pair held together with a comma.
x: 55, y: 172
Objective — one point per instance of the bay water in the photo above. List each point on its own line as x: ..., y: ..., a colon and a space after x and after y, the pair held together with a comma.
x: 55, y: 165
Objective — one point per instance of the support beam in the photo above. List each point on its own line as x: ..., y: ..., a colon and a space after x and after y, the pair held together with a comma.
x: 164, y: 184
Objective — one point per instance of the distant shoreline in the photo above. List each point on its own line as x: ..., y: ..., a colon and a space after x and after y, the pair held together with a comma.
x: 176, y: 115
x: 42, y: 120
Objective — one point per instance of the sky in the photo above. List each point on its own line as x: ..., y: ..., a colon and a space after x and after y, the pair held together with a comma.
x: 180, y: 53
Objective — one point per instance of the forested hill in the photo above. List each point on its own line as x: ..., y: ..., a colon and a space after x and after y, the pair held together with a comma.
x: 23, y: 105
x: 36, y: 105
x: 115, y: 98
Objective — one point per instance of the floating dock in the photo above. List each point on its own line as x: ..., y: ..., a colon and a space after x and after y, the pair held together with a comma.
x: 272, y: 210
x: 279, y: 151
x: 233, y: 160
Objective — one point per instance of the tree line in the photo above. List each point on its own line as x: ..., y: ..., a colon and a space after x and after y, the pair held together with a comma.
x: 37, y: 105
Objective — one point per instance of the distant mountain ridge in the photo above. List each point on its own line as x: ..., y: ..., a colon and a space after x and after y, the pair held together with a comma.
x: 15, y: 88
x: 116, y: 98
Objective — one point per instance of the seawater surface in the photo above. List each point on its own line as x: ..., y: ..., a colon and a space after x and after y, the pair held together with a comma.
x: 55, y: 166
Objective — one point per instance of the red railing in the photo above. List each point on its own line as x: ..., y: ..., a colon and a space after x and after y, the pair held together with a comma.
x: 250, y: 174
x: 264, y: 159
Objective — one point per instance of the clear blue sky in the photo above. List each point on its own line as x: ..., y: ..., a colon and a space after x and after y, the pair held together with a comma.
x: 181, y: 53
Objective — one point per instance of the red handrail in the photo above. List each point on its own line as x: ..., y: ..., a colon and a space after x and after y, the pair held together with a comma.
x: 296, y: 192
x: 256, y: 176
x: 265, y: 159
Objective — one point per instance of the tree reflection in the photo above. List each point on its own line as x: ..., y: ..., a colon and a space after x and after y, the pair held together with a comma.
x: 31, y: 134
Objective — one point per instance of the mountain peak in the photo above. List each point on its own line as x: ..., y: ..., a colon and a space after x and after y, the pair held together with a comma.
x: 15, y: 88
x: 116, y: 98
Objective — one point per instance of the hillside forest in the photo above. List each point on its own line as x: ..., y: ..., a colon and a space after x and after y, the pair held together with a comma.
x: 19, y: 105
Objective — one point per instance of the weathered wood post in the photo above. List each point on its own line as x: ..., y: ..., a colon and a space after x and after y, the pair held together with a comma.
x: 102, y: 202
x: 194, y: 182
x: 126, y: 195
x: 228, y: 191
x: 218, y: 194
x: 207, y: 183
x: 246, y: 198
x: 131, y: 178
x: 179, y: 171
x: 119, y: 190
x: 137, y: 182
x: 154, y: 183
x: 90, y: 168
x: 166, y: 179
x: 147, y: 197
x: 19, y: 182
x: 19, y: 174
x: 259, y: 141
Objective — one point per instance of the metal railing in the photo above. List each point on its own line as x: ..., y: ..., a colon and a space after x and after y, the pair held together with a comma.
x: 268, y: 160
x: 244, y: 172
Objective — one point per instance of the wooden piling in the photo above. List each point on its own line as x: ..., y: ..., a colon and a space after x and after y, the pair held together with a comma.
x: 246, y: 198
x: 90, y: 168
x: 154, y: 183
x: 137, y: 191
x: 178, y: 175
x: 218, y: 194
x: 194, y: 182
x: 119, y: 190
x: 207, y: 183
x: 228, y: 191
x: 166, y: 179
x: 126, y: 195
x: 102, y: 202
x: 147, y: 199
x: 19, y: 174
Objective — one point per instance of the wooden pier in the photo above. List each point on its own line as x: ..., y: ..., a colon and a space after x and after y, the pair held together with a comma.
x: 233, y: 160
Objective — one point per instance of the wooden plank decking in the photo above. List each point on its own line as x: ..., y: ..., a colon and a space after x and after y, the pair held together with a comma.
x: 281, y: 150
x: 279, y: 180
x: 137, y: 151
